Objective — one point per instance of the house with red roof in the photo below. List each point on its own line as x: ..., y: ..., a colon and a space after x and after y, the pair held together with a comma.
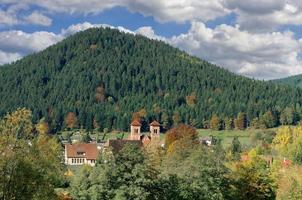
x: 80, y: 154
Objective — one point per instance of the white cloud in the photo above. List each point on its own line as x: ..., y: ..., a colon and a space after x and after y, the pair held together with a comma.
x: 268, y: 15
x: 148, y: 32
x: 8, y: 57
x: 86, y: 25
x: 38, y: 18
x: 79, y: 27
x: 256, y: 6
x: 255, y: 15
x: 163, y: 11
x: 25, y: 43
x: 261, y: 55
x: 179, y: 11
x: 11, y: 16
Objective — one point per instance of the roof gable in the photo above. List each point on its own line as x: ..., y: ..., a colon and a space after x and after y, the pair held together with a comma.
x: 135, y: 123
x: 155, y: 123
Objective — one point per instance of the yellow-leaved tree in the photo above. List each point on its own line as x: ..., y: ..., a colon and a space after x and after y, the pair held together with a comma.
x: 251, y: 178
x: 283, y: 139
x: 288, y: 142
x: 42, y: 127
x: 30, y: 164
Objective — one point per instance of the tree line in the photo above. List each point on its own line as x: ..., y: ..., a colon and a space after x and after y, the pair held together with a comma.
x: 269, y: 119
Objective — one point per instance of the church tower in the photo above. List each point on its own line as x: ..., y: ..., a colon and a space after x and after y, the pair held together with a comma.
x: 135, y: 133
x: 155, y: 130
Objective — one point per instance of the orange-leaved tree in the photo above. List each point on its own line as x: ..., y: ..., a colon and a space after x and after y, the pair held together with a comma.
x: 71, y: 120
x: 180, y: 132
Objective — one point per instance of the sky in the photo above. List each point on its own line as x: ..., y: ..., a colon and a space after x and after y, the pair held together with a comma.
x: 260, y: 39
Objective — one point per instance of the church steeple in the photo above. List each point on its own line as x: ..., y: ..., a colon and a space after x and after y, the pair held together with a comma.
x: 135, y: 133
x: 155, y: 129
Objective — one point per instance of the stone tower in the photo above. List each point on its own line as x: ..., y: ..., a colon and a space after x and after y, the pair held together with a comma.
x: 155, y: 130
x: 135, y: 133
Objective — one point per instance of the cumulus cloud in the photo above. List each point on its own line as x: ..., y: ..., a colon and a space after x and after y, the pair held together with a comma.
x: 6, y: 57
x: 179, y: 11
x: 86, y: 25
x: 148, y: 32
x: 268, y: 15
x: 163, y: 11
x: 11, y: 16
x: 25, y: 43
x: 261, y: 55
x: 38, y: 18
x: 254, y: 15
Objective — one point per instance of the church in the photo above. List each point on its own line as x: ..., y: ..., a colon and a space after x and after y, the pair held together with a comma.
x: 80, y: 154
x: 136, y: 137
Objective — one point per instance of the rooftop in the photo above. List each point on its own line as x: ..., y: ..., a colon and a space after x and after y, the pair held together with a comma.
x: 135, y: 123
x: 88, y: 151
x: 155, y: 123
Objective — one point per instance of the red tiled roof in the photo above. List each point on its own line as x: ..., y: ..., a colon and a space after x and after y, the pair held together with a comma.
x: 135, y: 123
x: 88, y: 151
x: 155, y: 123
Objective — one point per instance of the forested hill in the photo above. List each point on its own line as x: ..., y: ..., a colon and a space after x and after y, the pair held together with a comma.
x: 103, y: 76
x: 292, y: 81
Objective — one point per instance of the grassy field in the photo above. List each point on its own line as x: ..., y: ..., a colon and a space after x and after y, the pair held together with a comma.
x: 227, y: 136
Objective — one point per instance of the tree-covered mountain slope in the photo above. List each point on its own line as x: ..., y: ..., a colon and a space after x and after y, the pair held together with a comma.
x: 103, y: 76
x: 291, y: 81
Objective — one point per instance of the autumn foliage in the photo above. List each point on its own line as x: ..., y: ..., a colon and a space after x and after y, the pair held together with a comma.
x: 71, y: 120
x: 215, y: 123
x: 180, y: 132
x: 100, y: 94
x: 191, y: 99
x: 139, y: 115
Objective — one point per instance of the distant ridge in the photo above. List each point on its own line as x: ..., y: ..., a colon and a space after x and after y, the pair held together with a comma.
x: 291, y: 81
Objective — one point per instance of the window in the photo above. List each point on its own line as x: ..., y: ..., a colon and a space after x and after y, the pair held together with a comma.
x: 81, y: 153
x: 155, y: 130
x: 135, y: 130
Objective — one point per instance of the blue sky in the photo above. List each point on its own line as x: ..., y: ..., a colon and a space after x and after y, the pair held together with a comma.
x: 117, y: 16
x: 257, y: 38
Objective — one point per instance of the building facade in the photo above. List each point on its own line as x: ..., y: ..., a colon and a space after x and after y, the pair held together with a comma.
x: 80, y: 154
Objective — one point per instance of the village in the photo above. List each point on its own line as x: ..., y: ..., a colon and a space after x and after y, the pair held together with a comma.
x: 76, y: 154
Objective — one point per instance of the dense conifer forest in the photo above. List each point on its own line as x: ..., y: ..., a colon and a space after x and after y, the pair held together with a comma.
x: 292, y: 81
x: 102, y: 77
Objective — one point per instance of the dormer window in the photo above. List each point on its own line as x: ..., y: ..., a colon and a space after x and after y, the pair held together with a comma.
x: 81, y: 153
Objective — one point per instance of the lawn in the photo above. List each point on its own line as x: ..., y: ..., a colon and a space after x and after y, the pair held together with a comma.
x: 227, y: 135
